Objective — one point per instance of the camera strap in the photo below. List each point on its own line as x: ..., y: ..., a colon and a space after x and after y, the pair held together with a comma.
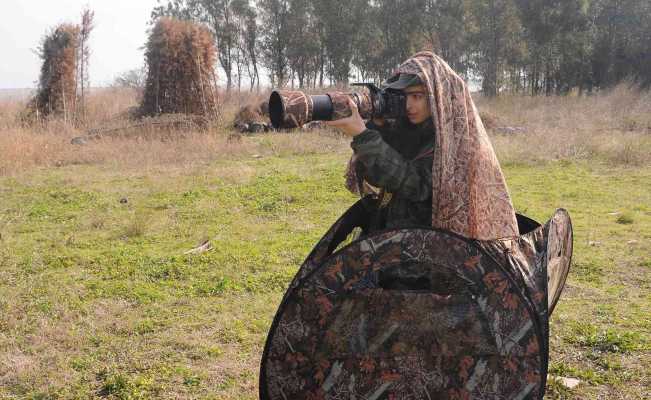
x: 384, y: 198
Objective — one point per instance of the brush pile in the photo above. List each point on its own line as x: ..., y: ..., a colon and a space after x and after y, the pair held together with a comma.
x: 57, y: 85
x: 253, y: 117
x: 180, y: 58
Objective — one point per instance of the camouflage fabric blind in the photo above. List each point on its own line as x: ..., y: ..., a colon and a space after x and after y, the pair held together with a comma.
x: 469, y: 194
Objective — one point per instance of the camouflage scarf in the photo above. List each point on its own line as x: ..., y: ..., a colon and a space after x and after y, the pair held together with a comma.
x: 469, y: 194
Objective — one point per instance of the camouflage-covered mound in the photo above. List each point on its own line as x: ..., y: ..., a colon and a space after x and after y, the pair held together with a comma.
x: 253, y: 117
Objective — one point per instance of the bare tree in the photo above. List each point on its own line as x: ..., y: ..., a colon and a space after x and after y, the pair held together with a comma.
x: 87, y: 26
x: 133, y: 79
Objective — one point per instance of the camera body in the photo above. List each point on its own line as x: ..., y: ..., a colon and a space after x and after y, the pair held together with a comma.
x: 292, y: 109
x: 388, y: 103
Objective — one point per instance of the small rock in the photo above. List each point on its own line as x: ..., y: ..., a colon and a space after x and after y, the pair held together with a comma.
x: 242, y: 127
x: 79, y: 140
x: 256, y: 156
x: 313, y: 125
x: 124, y: 200
x: 510, y: 130
x: 594, y: 243
x: 632, y: 242
x: 614, y: 213
x: 258, y: 127
x: 569, y: 383
x: 253, y: 127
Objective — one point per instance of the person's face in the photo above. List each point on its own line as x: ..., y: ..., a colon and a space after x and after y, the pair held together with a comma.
x: 417, y: 104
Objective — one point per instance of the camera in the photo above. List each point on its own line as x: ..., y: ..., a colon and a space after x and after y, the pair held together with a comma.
x: 293, y: 108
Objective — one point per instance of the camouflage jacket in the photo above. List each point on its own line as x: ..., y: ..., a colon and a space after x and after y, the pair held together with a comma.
x: 398, y: 159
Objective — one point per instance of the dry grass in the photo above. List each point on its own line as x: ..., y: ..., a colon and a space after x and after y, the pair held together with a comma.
x: 48, y: 145
x: 23, y: 151
x: 107, y: 104
x: 614, y: 127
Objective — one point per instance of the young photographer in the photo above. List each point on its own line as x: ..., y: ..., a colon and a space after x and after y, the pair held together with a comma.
x: 396, y: 157
x: 435, y: 168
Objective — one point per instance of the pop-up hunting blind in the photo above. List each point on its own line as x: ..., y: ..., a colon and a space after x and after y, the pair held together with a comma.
x: 457, y: 311
x: 418, y: 314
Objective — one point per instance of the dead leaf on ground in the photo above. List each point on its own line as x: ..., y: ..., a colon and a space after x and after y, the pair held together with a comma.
x: 202, y: 248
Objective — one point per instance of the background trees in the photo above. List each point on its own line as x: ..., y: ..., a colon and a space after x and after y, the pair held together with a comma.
x: 528, y: 46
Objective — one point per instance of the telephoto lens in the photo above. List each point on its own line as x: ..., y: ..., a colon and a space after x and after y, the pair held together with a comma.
x: 293, y: 109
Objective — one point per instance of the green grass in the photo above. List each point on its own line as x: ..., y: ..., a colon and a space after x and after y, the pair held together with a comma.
x: 98, y: 299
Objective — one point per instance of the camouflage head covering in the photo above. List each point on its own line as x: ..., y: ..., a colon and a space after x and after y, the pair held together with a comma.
x: 469, y: 194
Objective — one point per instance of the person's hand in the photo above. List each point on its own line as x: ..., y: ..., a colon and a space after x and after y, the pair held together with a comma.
x: 350, y: 126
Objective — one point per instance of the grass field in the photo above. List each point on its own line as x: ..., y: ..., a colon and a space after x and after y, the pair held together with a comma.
x: 98, y: 299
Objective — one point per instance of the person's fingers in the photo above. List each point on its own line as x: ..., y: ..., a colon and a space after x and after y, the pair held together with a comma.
x: 350, y: 123
x: 336, y: 122
x: 341, y: 121
x: 353, y: 107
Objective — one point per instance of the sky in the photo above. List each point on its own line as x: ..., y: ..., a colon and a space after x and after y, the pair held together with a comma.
x: 116, y: 42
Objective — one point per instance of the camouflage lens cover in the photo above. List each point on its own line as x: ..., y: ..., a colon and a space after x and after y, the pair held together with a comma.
x: 293, y: 109
x: 341, y: 105
x: 289, y: 109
